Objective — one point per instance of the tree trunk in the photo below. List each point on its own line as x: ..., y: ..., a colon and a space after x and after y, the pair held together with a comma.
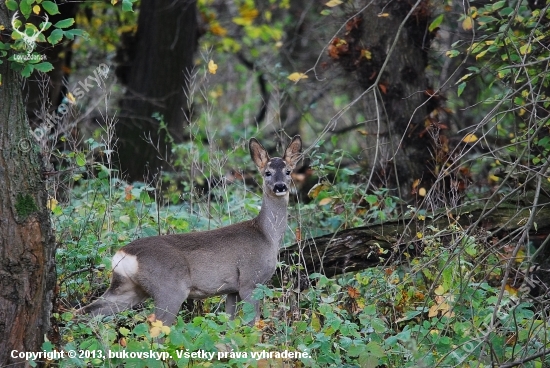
x: 27, y: 245
x: 384, y: 49
x: 155, y: 76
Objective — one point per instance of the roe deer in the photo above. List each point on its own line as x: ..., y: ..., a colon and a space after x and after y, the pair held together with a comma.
x: 230, y: 260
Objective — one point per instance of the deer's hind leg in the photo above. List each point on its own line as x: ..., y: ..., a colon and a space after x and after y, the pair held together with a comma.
x: 168, y: 301
x: 121, y: 295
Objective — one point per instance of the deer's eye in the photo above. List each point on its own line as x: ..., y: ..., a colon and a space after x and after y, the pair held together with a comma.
x: 288, y: 172
x: 268, y: 173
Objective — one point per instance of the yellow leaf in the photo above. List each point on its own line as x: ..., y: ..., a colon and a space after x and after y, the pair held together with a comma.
x: 439, y: 290
x: 469, y: 138
x: 421, y: 217
x: 243, y: 21
x: 212, y: 67
x: 71, y: 98
x: 366, y: 54
x: 36, y: 9
x: 481, y: 54
x: 325, y: 201
x: 155, y: 331
x: 525, y: 49
x: 248, y: 12
x: 156, y: 323
x: 218, y: 30
x: 422, y: 192
x: 383, y: 15
x: 113, y: 2
x: 419, y: 235
x: 467, y: 23
x: 165, y: 330
x: 315, y: 322
x: 51, y: 203
x: 295, y: 77
x: 511, y: 290
x: 433, y: 311
x: 316, y: 189
x: 333, y: 3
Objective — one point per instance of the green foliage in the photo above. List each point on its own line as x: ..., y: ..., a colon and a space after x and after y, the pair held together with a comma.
x: 511, y: 56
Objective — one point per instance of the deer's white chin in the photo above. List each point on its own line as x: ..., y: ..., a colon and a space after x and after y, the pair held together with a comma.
x: 280, y: 194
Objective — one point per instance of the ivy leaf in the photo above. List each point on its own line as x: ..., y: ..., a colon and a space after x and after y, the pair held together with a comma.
x: 44, y: 67
x: 65, y: 23
x: 50, y: 7
x: 55, y: 36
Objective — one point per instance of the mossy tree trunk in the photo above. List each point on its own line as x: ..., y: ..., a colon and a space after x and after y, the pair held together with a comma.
x: 27, y: 245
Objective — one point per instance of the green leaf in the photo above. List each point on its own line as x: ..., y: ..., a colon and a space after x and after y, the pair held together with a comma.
x: 127, y: 6
x: 12, y: 5
x: 74, y: 32
x: 371, y: 199
x: 55, y: 36
x: 249, y: 312
x: 460, y: 89
x: 50, y: 7
x: 65, y: 23
x: 435, y: 23
x: 144, y: 197
x: 25, y: 8
x: 44, y: 67
x: 81, y: 159
x: 375, y: 349
x: 498, y: 5
x: 27, y: 70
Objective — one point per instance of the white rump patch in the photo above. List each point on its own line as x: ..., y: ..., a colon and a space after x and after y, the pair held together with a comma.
x: 125, y: 264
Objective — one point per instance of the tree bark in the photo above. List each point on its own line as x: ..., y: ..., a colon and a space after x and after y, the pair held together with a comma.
x: 27, y: 245
x: 156, y: 78
x: 383, y: 48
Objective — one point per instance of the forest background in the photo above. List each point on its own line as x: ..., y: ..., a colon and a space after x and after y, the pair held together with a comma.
x: 419, y: 222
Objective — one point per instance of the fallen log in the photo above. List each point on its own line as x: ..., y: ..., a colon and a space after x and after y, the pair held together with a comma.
x: 377, y: 244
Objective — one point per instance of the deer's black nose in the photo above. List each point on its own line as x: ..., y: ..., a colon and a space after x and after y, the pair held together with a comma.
x: 280, y: 188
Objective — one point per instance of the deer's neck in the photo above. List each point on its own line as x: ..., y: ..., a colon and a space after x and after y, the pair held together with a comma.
x: 272, y: 219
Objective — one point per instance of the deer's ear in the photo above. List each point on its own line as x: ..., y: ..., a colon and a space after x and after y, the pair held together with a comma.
x: 258, y: 153
x: 293, y: 151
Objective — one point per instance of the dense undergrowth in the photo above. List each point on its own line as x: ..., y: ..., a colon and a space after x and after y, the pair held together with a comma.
x: 443, y: 308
